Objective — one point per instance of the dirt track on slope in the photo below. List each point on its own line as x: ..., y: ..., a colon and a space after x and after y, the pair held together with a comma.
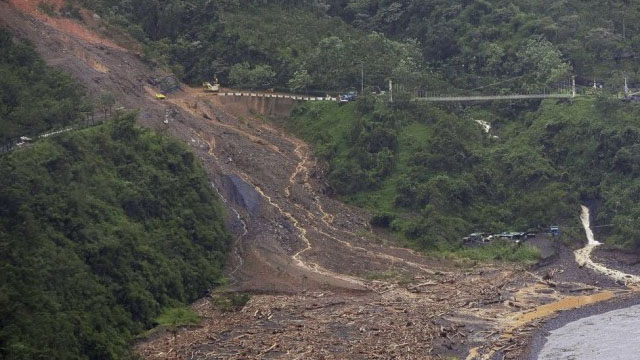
x: 325, y: 285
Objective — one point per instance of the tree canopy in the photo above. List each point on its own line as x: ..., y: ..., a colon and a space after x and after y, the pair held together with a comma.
x: 100, y: 229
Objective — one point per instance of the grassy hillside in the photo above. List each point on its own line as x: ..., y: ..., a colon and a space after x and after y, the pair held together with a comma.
x: 433, y: 175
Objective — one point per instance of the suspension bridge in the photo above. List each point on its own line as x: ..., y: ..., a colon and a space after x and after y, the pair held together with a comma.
x: 492, y: 97
x: 562, y: 90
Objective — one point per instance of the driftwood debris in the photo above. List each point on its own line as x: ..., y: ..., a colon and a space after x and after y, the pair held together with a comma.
x: 587, y: 288
x: 428, y: 283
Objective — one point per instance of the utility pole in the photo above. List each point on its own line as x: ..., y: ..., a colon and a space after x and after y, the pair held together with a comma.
x: 362, y: 78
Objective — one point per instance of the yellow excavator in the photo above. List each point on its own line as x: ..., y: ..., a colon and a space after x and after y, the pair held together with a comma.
x: 208, y: 87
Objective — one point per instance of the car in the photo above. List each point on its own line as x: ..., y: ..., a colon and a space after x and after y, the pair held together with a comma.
x: 476, y: 238
x: 350, y: 96
x: 513, y: 236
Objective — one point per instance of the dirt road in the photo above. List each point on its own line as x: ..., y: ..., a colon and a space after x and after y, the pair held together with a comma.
x: 324, y: 285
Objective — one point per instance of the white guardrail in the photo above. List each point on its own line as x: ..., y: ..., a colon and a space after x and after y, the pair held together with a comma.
x: 279, y: 96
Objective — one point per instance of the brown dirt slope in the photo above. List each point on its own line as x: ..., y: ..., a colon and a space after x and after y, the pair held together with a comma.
x: 325, y: 286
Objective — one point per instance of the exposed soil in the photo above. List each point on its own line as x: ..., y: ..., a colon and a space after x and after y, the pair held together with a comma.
x: 324, y: 285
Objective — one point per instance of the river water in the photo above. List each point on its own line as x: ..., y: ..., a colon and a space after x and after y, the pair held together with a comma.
x: 614, y: 335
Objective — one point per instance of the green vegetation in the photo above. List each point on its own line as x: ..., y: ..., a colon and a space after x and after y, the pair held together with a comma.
x: 498, y: 251
x: 101, y: 229
x: 258, y: 45
x: 471, y: 44
x: 432, y: 175
x: 301, y: 40
x: 33, y: 97
x: 474, y: 42
x: 176, y: 317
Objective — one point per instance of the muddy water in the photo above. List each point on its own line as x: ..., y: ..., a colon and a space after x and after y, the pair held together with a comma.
x: 583, y: 256
x: 572, y: 302
x: 611, y: 335
x: 585, y: 218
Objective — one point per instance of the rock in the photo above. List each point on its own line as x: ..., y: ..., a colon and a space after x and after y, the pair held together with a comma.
x: 242, y: 193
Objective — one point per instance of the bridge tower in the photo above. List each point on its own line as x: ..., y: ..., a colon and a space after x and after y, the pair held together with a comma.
x: 626, y: 88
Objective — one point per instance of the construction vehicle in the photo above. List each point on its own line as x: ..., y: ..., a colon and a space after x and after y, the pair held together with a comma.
x: 160, y: 96
x: 208, y: 87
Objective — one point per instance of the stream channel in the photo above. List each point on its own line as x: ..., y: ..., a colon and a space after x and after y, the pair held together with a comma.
x: 610, y: 335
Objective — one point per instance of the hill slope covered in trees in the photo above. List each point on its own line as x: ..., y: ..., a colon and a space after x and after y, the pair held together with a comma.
x: 101, y: 229
x: 326, y: 44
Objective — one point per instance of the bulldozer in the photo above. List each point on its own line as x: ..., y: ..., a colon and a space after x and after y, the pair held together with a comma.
x: 208, y: 87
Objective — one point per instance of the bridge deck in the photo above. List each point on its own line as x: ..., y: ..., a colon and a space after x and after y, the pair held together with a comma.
x: 494, y: 97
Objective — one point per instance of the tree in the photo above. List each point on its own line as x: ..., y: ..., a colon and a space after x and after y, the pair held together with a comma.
x: 106, y: 102
x: 243, y: 75
x: 542, y: 63
x: 300, y: 80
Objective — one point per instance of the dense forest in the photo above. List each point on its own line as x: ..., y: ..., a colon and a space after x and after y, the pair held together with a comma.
x: 261, y: 44
x: 101, y: 229
x: 484, y: 39
x: 437, y: 44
